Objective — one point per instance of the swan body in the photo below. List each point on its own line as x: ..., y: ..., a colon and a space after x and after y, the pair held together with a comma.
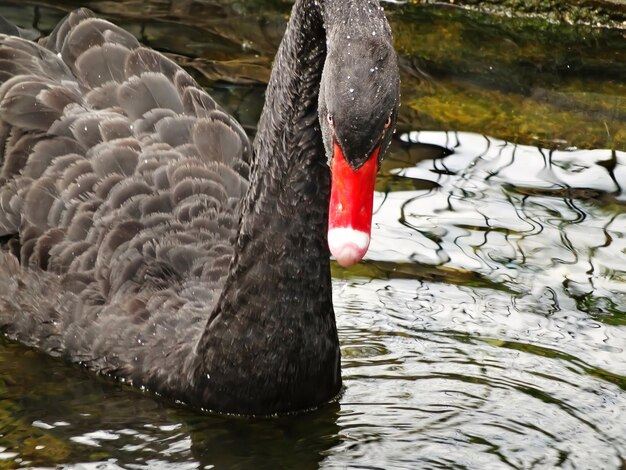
x: 145, y: 237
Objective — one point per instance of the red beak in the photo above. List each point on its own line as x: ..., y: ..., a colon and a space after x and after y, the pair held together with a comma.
x: 351, y: 203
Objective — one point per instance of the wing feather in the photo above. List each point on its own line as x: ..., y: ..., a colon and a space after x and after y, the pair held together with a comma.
x: 119, y: 174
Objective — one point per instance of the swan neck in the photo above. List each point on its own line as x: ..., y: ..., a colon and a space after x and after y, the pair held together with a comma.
x: 294, y: 83
x: 272, y: 341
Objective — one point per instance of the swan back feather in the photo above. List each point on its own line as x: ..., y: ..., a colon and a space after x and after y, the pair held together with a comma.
x: 121, y: 185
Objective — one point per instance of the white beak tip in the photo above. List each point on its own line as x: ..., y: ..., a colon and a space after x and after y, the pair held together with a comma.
x: 347, y: 245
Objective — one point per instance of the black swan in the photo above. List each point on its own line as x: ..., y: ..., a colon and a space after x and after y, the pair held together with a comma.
x: 143, y: 235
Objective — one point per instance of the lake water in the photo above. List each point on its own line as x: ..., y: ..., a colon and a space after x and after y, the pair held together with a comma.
x: 487, y: 328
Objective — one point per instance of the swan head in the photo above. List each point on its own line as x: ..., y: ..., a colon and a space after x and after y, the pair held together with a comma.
x: 358, y: 107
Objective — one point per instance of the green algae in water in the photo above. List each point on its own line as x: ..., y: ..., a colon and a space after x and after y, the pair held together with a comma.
x: 523, y: 80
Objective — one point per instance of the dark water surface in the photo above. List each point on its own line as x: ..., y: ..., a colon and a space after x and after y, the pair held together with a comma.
x: 487, y: 329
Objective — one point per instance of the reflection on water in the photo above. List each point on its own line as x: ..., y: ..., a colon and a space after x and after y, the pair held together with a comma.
x: 486, y: 330
x: 549, y: 225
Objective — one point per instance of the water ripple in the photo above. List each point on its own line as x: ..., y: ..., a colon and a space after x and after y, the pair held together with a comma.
x: 506, y: 348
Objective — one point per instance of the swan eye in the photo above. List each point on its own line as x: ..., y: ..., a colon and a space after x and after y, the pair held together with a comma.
x: 388, y: 122
x: 330, y: 119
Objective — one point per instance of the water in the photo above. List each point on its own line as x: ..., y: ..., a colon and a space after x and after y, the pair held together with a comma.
x: 487, y: 328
